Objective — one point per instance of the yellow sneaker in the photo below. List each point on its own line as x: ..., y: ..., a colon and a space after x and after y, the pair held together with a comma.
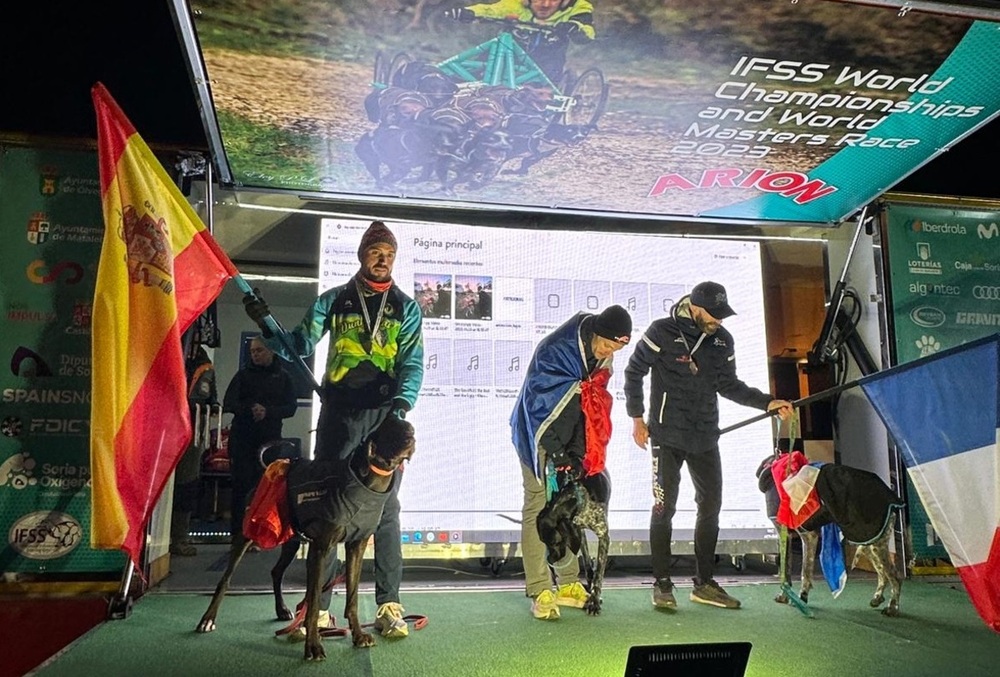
x: 572, y: 594
x: 544, y: 606
x: 389, y: 621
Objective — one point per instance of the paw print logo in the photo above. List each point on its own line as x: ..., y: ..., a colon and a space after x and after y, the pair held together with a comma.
x: 928, y: 345
x: 18, y: 471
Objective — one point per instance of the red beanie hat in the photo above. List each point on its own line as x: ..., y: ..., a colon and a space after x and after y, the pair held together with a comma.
x: 377, y: 233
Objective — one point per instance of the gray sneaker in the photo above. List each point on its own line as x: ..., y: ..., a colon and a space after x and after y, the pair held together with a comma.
x: 712, y: 593
x: 663, y: 594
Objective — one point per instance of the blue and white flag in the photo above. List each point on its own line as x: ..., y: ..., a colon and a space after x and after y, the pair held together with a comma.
x: 943, y: 412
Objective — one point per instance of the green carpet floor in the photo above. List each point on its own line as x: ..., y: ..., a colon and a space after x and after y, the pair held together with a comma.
x: 472, y: 633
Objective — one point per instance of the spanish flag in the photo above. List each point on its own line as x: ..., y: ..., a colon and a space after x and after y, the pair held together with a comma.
x: 159, y: 270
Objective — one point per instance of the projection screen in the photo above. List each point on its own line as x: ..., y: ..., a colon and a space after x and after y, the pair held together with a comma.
x: 464, y: 484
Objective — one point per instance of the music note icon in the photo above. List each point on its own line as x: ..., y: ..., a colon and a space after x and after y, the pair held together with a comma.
x: 432, y: 361
x: 631, y: 303
x: 473, y: 363
x: 515, y: 364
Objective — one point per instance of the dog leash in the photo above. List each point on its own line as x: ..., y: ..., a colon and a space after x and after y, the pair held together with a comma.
x: 783, y: 542
x: 417, y: 620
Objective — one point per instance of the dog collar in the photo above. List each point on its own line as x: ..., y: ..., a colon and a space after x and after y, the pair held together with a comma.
x: 378, y: 471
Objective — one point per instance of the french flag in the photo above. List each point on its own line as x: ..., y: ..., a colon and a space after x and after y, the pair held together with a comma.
x: 943, y: 413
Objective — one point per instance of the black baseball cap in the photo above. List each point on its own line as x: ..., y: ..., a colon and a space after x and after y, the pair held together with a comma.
x: 712, y: 297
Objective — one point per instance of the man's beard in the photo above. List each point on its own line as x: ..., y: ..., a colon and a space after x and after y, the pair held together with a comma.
x: 705, y: 326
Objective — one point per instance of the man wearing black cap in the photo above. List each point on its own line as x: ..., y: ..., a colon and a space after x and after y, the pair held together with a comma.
x: 692, y: 360
x: 374, y: 369
x: 564, y: 394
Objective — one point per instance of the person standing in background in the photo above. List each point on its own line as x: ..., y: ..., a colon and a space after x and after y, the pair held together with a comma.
x: 693, y: 361
x: 548, y: 429
x: 374, y: 369
x: 260, y: 396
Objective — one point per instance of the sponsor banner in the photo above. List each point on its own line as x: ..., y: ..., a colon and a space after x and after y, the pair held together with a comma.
x: 944, y: 286
x: 51, y: 226
x: 770, y: 110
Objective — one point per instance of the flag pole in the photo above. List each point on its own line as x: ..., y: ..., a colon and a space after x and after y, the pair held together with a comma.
x: 277, y: 330
x: 830, y: 392
x: 822, y: 395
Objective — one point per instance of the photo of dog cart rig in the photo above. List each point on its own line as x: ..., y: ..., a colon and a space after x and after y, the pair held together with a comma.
x: 462, y: 120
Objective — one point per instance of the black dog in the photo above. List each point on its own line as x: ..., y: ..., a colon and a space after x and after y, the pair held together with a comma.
x: 861, y: 504
x: 534, y: 138
x: 578, y: 505
x: 333, y: 503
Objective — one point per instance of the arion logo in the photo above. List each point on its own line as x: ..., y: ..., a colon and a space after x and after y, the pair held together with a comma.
x: 927, y: 316
x: 39, y: 273
x: 45, y: 535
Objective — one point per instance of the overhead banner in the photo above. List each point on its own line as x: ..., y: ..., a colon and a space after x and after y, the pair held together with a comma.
x: 766, y: 111
x: 51, y: 227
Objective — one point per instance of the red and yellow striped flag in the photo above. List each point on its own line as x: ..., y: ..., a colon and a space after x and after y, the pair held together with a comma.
x: 159, y: 270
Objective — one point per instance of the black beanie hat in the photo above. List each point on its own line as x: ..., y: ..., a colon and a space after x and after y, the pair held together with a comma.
x: 376, y: 233
x: 614, y: 323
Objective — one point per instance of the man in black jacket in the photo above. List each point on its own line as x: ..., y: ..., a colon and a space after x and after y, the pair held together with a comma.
x: 260, y: 397
x: 693, y: 361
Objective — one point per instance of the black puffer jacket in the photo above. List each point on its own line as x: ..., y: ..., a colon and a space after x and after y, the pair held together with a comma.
x: 270, y: 386
x: 684, y: 407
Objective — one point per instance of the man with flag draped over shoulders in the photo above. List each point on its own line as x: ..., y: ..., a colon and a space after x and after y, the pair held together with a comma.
x: 562, y: 419
x: 374, y: 369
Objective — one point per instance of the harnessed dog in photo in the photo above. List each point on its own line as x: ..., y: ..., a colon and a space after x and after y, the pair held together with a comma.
x: 580, y: 504
x: 856, y: 501
x: 326, y: 503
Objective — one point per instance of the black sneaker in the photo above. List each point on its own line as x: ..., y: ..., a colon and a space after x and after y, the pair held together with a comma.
x: 663, y: 594
x: 712, y: 593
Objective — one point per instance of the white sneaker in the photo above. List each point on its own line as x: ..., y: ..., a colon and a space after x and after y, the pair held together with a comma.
x: 389, y: 621
x: 299, y: 633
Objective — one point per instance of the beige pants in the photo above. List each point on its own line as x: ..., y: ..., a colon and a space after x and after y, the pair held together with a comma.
x: 537, y: 573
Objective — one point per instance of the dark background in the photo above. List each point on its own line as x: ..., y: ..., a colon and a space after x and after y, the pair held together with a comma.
x: 55, y: 51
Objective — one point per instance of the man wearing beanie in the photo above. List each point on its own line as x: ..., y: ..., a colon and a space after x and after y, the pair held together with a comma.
x: 564, y: 389
x: 692, y: 359
x: 374, y: 369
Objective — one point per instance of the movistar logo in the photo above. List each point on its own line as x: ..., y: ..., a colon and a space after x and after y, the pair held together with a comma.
x: 987, y: 232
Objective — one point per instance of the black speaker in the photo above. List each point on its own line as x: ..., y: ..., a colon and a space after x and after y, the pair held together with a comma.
x: 715, y: 659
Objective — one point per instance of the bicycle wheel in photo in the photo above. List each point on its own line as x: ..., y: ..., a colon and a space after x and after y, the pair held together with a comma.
x: 396, y: 65
x: 380, y: 75
x: 590, y: 97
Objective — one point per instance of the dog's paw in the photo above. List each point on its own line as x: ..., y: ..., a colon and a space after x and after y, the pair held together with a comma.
x: 592, y: 607
x: 892, y: 610
x: 206, y: 625
x: 315, y: 651
x: 363, y: 640
x: 781, y: 598
x: 876, y: 601
x: 283, y: 614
